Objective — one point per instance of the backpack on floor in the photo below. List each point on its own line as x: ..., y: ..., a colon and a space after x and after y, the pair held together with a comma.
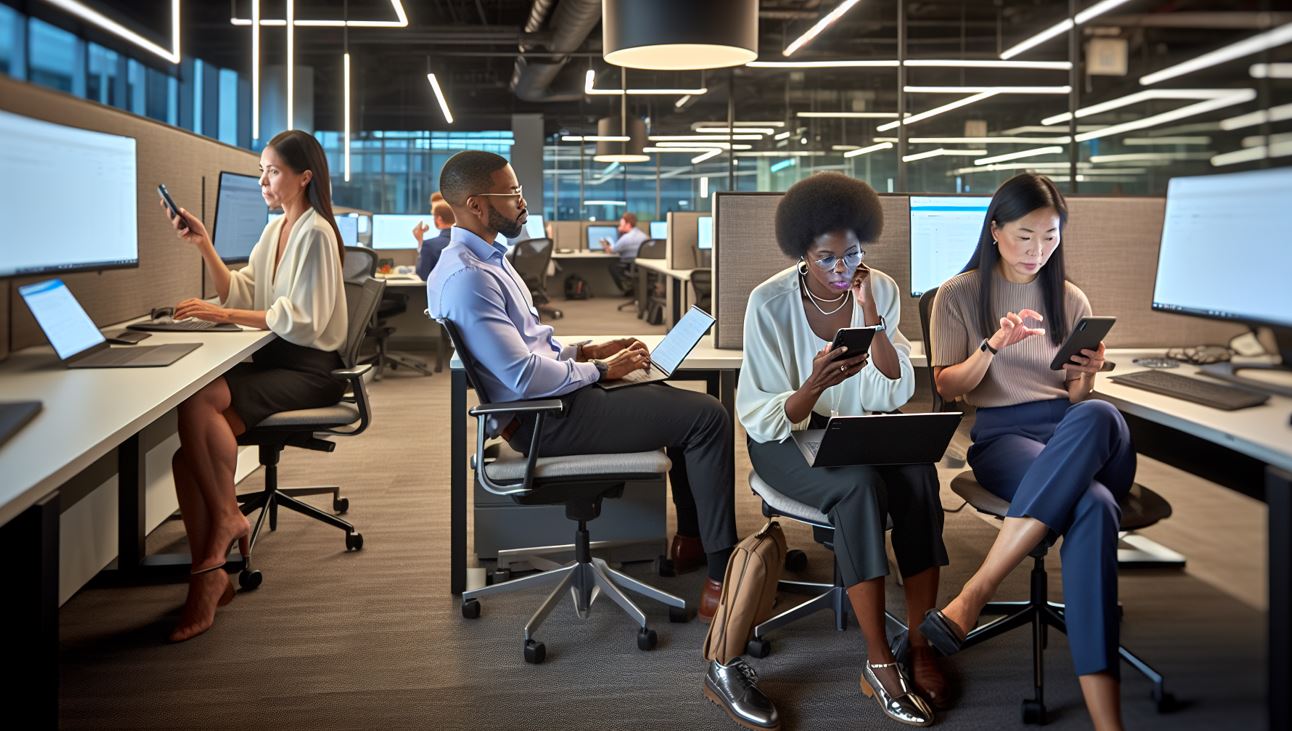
x: 748, y: 591
x: 576, y: 288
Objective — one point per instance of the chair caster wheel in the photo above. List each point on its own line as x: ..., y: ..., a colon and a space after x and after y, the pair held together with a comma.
x: 471, y: 609
x: 500, y: 575
x: 795, y: 560
x: 1034, y: 712
x: 535, y: 652
x: 679, y: 615
x: 353, y: 541
x: 759, y: 647
x: 646, y: 639
x: 1164, y: 700
x: 249, y: 580
x: 340, y: 505
x: 664, y: 567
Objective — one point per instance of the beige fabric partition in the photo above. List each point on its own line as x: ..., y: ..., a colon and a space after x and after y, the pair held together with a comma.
x: 745, y: 253
x: 567, y: 235
x: 168, y: 270
x: 682, y: 236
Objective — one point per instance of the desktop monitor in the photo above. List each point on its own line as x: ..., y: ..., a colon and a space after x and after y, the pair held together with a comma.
x: 704, y: 233
x: 1224, y: 252
x: 944, y: 234
x: 365, y: 223
x: 240, y: 216
x: 596, y: 233
x: 659, y: 230
x: 349, y: 226
x: 48, y: 168
x: 395, y: 230
x: 533, y: 228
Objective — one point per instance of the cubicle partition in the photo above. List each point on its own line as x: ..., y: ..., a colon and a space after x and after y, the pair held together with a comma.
x: 681, y: 239
x: 1110, y: 246
x: 168, y: 270
x: 567, y: 235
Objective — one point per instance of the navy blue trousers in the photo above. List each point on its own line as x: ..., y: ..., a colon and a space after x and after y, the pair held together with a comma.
x: 1066, y: 465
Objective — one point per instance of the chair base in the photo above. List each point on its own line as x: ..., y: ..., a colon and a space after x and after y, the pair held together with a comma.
x: 833, y: 597
x: 268, y: 500
x: 1042, y: 615
x: 393, y: 359
x: 1136, y: 551
x: 537, y: 557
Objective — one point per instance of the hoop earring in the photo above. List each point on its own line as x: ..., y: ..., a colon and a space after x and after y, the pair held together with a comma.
x: 803, y: 268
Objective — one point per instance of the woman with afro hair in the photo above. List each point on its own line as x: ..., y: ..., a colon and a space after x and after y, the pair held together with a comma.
x: 793, y: 380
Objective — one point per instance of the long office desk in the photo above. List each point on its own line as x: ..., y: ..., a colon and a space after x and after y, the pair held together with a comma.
x: 718, y: 368
x: 414, y: 324
x: 679, y: 292
x: 87, y: 413
x: 1249, y: 451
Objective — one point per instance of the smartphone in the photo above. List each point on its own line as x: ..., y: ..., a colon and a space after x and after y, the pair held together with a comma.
x: 857, y: 339
x: 1085, y: 335
x: 170, y: 202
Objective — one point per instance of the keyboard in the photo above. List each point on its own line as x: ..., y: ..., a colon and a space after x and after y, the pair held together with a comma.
x: 189, y: 325
x: 1207, y: 393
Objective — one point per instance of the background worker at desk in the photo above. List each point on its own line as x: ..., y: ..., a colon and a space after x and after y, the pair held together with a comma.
x: 627, y: 245
x: 476, y: 288
x: 428, y: 250
x: 292, y: 285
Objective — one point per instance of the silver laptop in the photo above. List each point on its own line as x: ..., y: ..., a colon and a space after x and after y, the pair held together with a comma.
x: 78, y: 342
x: 671, y: 351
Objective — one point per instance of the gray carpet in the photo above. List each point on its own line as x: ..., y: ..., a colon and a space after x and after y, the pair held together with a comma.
x: 373, y: 639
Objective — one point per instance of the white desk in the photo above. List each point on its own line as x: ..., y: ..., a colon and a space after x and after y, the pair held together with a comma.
x: 678, y: 291
x: 582, y: 254
x: 86, y: 414
x: 413, y: 325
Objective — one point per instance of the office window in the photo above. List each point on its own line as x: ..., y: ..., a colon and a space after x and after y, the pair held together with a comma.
x: 101, y: 81
x: 228, y: 106
x: 156, y: 103
x: 13, y: 40
x: 57, y: 58
x: 136, y: 87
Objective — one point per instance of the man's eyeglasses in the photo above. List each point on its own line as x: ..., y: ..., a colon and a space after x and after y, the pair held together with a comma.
x: 851, y: 260
x: 517, y: 194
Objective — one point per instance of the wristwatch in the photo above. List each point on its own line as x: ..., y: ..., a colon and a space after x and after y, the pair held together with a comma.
x: 985, y: 347
x: 602, y: 368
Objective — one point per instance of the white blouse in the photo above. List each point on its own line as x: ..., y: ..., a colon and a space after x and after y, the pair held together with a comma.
x: 780, y: 346
x: 304, y: 300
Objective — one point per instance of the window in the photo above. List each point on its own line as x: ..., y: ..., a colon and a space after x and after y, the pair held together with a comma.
x: 57, y: 58
x: 228, y: 106
x: 101, y: 80
x: 12, y: 43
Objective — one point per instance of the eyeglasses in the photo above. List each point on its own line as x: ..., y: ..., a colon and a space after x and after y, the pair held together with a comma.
x: 517, y: 194
x: 851, y: 260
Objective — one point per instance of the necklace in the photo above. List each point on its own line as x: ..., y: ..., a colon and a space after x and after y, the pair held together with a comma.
x: 813, y: 299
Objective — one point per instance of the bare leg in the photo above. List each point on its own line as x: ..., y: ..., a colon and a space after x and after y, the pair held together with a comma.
x: 867, y: 599
x: 921, y: 595
x: 212, y: 460
x: 1016, y: 540
x: 191, y: 506
x: 1102, y: 692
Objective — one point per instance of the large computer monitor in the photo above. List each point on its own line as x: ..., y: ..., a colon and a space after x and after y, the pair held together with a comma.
x: 533, y: 228
x: 597, y: 233
x: 944, y: 234
x: 395, y: 230
x: 52, y: 172
x: 704, y: 233
x: 349, y: 226
x: 1225, y: 252
x: 659, y: 230
x: 240, y: 216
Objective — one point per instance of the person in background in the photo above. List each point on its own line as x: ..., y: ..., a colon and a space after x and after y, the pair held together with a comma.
x: 627, y: 245
x: 428, y: 251
x: 292, y: 286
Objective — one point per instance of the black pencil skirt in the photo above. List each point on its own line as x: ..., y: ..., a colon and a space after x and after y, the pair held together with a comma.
x: 283, y: 376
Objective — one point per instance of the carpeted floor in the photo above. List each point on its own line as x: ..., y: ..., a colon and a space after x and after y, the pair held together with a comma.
x: 374, y: 640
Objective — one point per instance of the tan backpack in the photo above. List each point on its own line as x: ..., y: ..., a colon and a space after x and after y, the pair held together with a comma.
x: 748, y: 591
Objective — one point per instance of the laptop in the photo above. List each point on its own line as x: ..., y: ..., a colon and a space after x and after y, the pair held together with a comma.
x: 879, y: 439
x: 78, y: 342
x: 14, y: 415
x: 671, y: 351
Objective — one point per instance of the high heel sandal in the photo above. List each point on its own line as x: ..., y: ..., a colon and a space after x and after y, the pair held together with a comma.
x: 906, y: 707
x: 244, y: 550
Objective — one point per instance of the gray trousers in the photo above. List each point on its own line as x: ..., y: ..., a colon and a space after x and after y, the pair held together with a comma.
x: 693, y: 427
x: 858, y: 500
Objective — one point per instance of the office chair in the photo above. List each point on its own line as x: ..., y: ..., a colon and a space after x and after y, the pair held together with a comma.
x: 308, y: 429
x: 360, y: 264
x: 580, y: 483
x: 702, y: 283
x: 832, y: 596
x: 530, y: 259
x: 1141, y: 508
x: 643, y: 287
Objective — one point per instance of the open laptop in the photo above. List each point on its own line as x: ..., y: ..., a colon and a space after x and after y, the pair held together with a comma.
x: 78, y: 342
x: 879, y: 439
x: 671, y: 351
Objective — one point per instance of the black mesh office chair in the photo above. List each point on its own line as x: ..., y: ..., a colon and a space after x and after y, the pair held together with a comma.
x: 580, y: 483
x: 530, y: 259
x: 1141, y: 508
x: 360, y: 264
x: 702, y: 283
x: 309, y: 429
x: 651, y: 300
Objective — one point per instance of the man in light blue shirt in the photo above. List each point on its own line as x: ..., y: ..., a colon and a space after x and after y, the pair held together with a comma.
x: 476, y: 288
x: 626, y: 246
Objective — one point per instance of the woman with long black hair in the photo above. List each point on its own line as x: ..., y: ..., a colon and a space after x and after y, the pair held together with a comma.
x: 292, y: 286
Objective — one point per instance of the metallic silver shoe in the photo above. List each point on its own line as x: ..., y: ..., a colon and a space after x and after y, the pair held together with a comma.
x: 907, y: 707
x: 734, y: 688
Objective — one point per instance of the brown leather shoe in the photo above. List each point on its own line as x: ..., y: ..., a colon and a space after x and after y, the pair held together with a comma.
x: 926, y: 672
x: 687, y: 553
x: 709, y: 600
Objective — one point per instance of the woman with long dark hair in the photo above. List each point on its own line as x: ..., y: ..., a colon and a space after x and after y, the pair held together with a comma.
x: 1062, y: 459
x: 292, y: 285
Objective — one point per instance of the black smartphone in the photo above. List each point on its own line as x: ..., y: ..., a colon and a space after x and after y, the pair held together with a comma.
x: 857, y: 339
x: 1085, y: 335
x: 170, y: 202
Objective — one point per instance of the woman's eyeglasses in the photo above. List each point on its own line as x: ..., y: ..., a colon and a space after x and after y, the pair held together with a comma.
x: 851, y: 260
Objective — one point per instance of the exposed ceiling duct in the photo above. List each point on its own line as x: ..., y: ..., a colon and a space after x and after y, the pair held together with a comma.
x: 571, y: 24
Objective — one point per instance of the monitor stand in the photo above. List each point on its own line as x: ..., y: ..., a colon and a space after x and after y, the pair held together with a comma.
x: 1271, y: 377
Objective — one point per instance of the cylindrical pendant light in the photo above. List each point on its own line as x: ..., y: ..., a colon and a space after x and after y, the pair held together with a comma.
x: 630, y: 151
x: 677, y: 35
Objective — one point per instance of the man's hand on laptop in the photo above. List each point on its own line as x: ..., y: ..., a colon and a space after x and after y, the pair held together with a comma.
x: 607, y: 349
x: 626, y: 361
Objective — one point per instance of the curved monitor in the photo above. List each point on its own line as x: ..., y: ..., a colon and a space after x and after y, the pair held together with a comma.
x: 47, y: 167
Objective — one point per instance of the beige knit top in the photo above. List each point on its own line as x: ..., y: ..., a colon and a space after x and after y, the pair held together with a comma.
x: 1018, y: 374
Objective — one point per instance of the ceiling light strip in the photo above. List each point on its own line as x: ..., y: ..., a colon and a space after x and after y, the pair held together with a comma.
x: 868, y: 149
x: 825, y: 22
x: 1061, y: 27
x: 705, y: 156
x: 291, y: 64
x: 847, y: 115
x: 1270, y: 70
x: 1034, y: 152
x: 1255, y: 44
x: 401, y: 21
x: 1251, y: 154
x: 255, y: 69
x: 995, y: 89
x: 940, y: 152
x: 1239, y: 96
x: 96, y: 18
x: 439, y: 97
x: 966, y: 101
x: 1137, y: 97
x: 346, y: 92
x: 1280, y: 113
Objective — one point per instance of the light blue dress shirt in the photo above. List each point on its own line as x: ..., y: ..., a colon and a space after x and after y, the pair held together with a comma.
x: 627, y: 245
x: 476, y: 288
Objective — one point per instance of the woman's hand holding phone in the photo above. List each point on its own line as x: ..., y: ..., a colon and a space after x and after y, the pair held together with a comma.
x: 187, y: 226
x: 832, y: 366
x: 1086, y: 361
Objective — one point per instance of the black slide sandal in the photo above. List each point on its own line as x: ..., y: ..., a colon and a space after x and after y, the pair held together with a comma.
x: 941, y: 632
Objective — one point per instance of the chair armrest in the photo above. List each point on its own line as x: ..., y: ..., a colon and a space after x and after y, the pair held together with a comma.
x: 349, y: 374
x: 354, y: 376
x: 536, y: 406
